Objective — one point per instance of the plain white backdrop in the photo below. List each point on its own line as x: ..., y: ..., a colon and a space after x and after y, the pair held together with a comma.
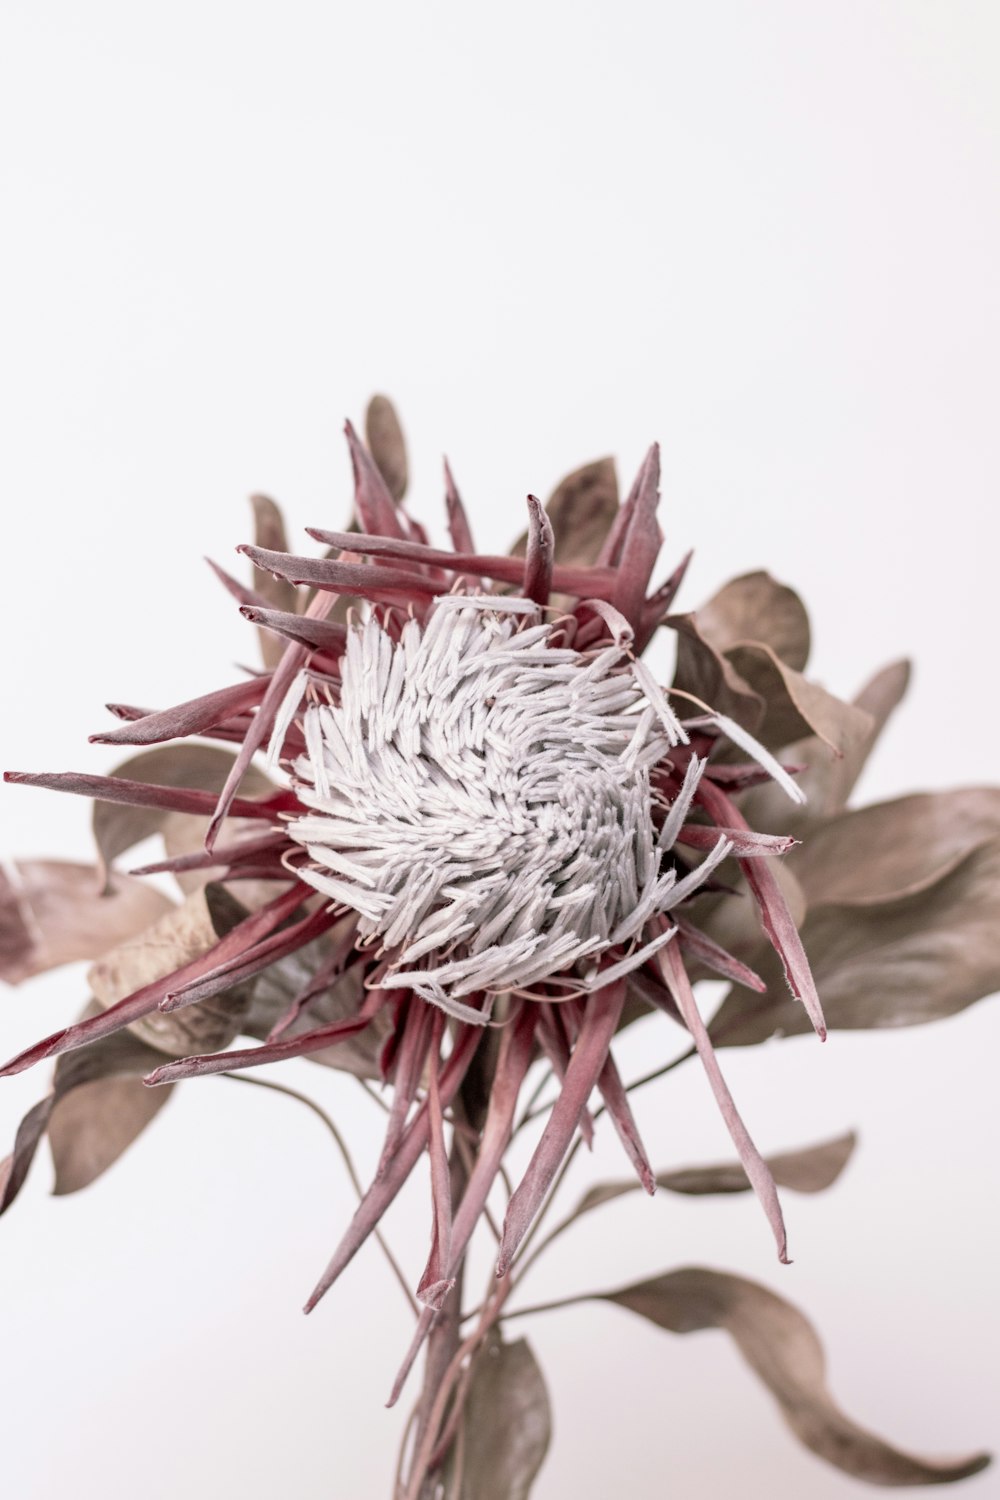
x: 764, y: 233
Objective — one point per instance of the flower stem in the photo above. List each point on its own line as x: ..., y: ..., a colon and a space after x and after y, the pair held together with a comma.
x: 280, y: 1088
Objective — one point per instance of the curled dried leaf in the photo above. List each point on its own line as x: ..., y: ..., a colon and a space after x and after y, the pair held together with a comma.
x: 710, y: 678
x: 95, y: 1109
x: 183, y: 933
x: 796, y: 706
x: 755, y: 607
x: 827, y: 780
x: 91, y: 1126
x: 782, y: 1348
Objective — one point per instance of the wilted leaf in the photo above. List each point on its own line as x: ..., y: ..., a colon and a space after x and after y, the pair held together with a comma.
x: 506, y: 1425
x: 755, y: 607
x: 118, y: 827
x: 781, y: 1347
x: 796, y: 706
x: 581, y: 509
x: 808, y: 1170
x: 711, y: 677
x: 91, y: 1126
x: 386, y: 444
x: 269, y: 531
x: 895, y: 963
x: 184, y: 933
x: 54, y: 913
x: 733, y: 920
x: 827, y: 780
x: 896, y: 848
x: 97, y: 1107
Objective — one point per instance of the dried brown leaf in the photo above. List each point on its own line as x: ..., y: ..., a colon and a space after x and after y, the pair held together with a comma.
x: 582, y: 508
x: 53, y: 913
x: 92, y: 1125
x: 710, y: 677
x: 91, y: 1133
x: 902, y: 962
x: 796, y: 706
x: 826, y: 780
x: 269, y: 531
x: 781, y: 1347
x: 386, y: 444
x: 755, y: 607
x: 808, y: 1170
x: 506, y: 1424
x: 896, y: 848
x: 184, y: 933
x: 118, y: 828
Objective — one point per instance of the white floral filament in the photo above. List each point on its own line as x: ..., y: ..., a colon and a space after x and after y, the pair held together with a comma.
x: 481, y: 798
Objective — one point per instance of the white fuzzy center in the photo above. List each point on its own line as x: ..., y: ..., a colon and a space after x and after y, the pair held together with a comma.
x: 481, y: 799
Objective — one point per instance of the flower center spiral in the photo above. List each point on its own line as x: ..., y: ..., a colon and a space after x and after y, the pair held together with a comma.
x: 481, y: 798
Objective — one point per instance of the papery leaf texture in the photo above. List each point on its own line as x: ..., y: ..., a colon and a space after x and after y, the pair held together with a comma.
x: 53, y: 912
x: 506, y: 1425
x: 118, y: 828
x: 781, y: 1347
x: 810, y: 1169
x: 755, y: 607
x: 106, y: 1106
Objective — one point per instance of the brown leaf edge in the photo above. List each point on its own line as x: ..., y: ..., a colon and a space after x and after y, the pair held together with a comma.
x: 810, y: 1169
x: 109, y: 1105
x: 756, y: 607
x: 920, y: 957
x: 506, y: 1425
x: 269, y: 532
x: 826, y: 780
x: 387, y: 446
x: 118, y: 827
x: 782, y: 1348
x: 582, y: 509
x: 53, y: 912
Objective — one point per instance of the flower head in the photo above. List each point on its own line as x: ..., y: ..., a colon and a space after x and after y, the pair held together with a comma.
x: 480, y: 795
x: 491, y: 817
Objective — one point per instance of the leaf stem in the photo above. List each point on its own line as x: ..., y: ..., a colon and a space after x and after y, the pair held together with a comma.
x: 281, y: 1088
x: 540, y: 1307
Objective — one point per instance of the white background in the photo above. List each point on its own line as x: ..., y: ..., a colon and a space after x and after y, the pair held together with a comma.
x: 764, y: 233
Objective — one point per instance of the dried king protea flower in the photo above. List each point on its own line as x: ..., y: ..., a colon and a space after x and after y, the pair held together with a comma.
x: 490, y: 829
